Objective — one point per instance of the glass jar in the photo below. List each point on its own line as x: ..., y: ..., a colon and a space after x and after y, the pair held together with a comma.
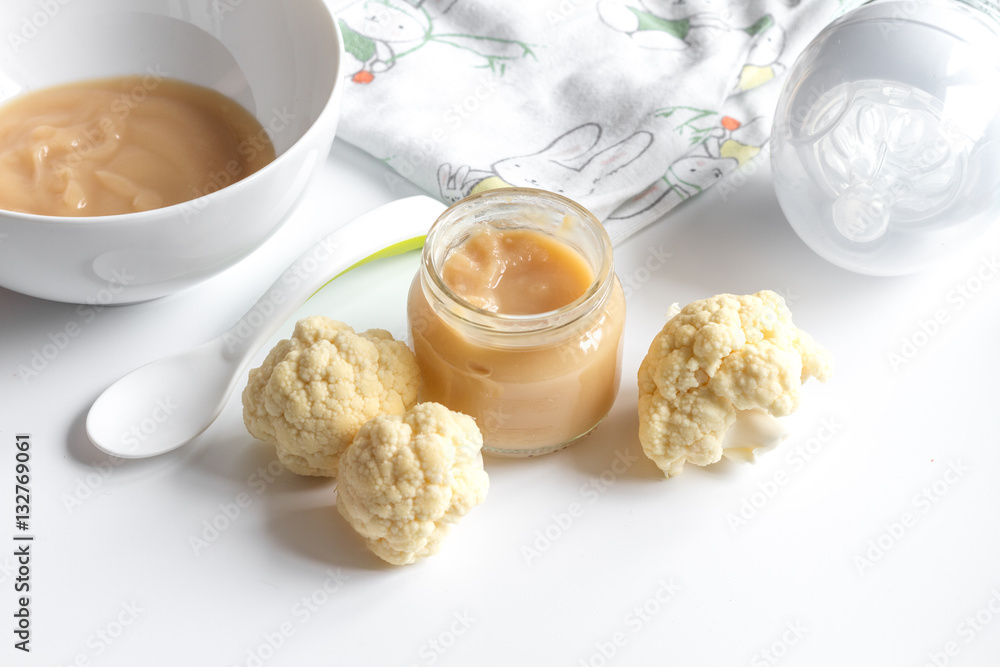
x: 534, y: 383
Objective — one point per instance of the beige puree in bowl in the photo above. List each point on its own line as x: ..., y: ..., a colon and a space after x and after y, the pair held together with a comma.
x: 122, y: 145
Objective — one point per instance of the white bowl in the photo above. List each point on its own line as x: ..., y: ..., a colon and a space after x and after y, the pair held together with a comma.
x: 280, y: 60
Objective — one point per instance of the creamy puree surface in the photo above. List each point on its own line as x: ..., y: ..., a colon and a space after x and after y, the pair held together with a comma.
x: 123, y: 144
x: 516, y: 271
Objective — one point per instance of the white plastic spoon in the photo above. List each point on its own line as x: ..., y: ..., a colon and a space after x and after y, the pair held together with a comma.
x: 167, y: 403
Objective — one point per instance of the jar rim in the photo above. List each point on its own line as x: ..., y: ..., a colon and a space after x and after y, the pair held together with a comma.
x: 513, y: 197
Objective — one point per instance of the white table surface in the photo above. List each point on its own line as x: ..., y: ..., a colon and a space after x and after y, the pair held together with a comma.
x: 869, y: 537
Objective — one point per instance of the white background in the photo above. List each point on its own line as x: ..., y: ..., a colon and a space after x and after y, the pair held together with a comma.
x: 869, y: 537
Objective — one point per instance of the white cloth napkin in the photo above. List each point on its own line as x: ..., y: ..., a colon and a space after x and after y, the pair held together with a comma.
x: 626, y: 106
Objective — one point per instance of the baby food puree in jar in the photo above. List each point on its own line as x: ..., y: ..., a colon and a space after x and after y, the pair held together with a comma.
x: 516, y: 319
x: 122, y: 145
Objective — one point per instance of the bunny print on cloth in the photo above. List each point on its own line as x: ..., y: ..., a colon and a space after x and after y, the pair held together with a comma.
x: 377, y: 33
x: 552, y: 167
x: 722, y: 149
x: 681, y: 25
x: 627, y: 106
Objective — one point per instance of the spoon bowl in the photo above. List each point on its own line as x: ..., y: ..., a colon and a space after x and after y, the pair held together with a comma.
x: 158, y: 407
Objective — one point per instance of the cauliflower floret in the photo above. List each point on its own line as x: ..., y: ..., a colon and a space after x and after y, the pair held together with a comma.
x: 406, y: 479
x: 315, y: 390
x: 716, y: 357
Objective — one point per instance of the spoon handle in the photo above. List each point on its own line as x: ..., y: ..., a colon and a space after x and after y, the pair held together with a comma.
x: 390, y: 229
